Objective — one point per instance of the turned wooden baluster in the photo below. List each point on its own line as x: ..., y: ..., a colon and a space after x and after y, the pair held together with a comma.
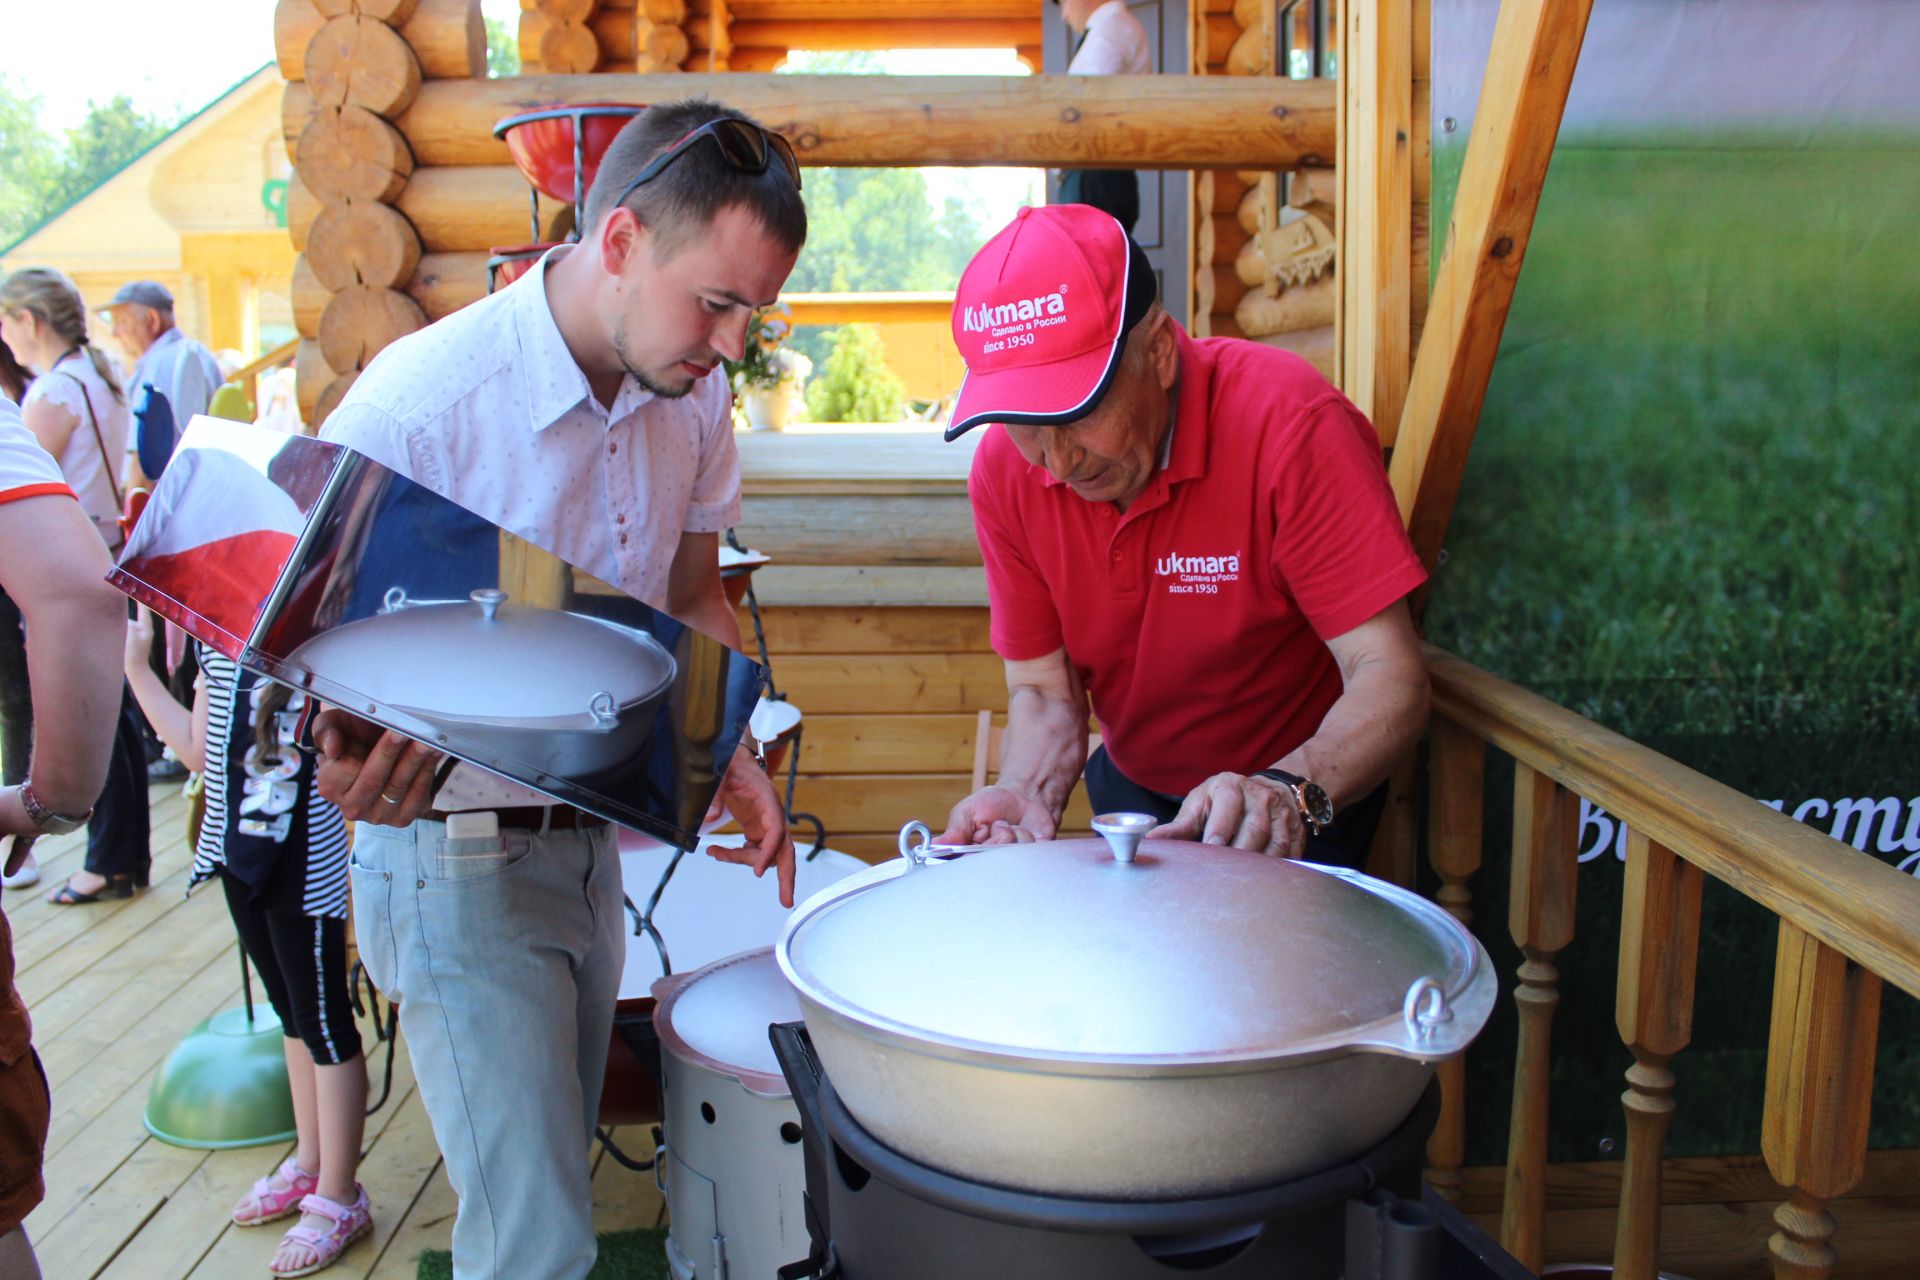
x: 1453, y: 843
x: 1826, y: 1025
x: 1546, y: 863
x: 1659, y: 949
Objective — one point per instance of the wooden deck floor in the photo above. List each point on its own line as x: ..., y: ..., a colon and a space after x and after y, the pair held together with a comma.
x: 113, y: 988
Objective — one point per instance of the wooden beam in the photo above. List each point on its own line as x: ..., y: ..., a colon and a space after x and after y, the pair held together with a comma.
x: 1120, y: 122
x: 1376, y: 236
x: 871, y: 10
x: 905, y: 33
x: 1535, y: 46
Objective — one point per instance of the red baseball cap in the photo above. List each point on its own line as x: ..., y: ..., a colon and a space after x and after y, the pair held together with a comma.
x: 1042, y: 315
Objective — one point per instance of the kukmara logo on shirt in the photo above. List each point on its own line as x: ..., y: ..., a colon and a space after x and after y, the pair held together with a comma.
x: 1197, y: 575
x: 1022, y: 315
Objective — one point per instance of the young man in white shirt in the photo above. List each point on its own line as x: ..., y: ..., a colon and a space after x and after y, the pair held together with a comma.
x: 583, y: 409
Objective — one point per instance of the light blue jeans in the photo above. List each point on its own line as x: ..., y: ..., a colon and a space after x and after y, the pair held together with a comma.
x: 505, y: 958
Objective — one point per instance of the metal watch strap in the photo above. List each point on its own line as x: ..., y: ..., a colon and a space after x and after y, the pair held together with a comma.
x: 49, y: 820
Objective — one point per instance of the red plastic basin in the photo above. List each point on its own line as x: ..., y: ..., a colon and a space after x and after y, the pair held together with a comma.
x: 542, y: 143
x: 504, y: 266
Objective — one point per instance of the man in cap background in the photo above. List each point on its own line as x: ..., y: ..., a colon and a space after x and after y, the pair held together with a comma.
x: 174, y: 377
x: 1195, y: 536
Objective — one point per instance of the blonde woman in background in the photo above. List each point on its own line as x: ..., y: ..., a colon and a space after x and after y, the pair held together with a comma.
x: 77, y: 410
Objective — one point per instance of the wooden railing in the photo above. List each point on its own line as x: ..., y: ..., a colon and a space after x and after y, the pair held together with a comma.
x: 248, y: 376
x: 1847, y: 922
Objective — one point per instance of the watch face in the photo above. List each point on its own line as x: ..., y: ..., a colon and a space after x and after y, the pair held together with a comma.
x: 1318, y: 806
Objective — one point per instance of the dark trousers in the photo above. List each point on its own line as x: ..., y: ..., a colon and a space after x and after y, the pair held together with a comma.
x: 1343, y: 844
x: 120, y: 832
x: 16, y: 698
x: 302, y: 962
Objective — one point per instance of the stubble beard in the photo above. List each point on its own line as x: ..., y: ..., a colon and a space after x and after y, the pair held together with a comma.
x: 646, y: 382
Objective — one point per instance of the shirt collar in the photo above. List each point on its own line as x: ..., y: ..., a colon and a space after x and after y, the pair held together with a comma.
x: 157, y: 348
x: 1186, y: 456
x: 1108, y: 12
x: 556, y: 385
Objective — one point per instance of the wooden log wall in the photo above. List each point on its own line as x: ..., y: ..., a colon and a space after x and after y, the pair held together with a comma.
x: 1236, y: 215
x: 462, y: 197
x: 357, y: 66
x: 728, y: 35
x: 556, y: 37
x: 891, y: 698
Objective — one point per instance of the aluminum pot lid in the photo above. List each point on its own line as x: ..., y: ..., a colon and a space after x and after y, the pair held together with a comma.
x: 1190, y: 954
x: 718, y: 1017
x: 487, y: 658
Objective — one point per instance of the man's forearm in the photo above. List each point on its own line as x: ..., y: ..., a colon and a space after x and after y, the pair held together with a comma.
x: 74, y: 640
x: 1376, y: 721
x: 1044, y: 747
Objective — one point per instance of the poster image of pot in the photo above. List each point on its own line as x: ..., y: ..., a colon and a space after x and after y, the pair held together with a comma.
x: 385, y: 599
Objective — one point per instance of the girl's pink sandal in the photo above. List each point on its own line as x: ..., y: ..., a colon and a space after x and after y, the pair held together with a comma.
x: 276, y: 1196
x: 350, y: 1222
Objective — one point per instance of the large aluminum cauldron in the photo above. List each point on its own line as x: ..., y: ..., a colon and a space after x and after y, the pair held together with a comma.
x: 1189, y: 1020
x: 565, y: 693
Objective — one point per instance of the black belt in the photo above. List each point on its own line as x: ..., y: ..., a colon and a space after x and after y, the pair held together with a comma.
x: 560, y: 817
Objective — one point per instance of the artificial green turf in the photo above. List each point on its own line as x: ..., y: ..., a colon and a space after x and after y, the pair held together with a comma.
x: 640, y: 1254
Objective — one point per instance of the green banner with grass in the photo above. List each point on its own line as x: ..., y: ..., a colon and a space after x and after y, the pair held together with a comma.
x: 1692, y: 511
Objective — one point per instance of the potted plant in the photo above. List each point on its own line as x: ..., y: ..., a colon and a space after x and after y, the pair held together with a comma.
x: 768, y: 374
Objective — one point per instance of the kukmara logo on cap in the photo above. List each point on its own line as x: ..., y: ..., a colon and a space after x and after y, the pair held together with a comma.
x: 1038, y: 311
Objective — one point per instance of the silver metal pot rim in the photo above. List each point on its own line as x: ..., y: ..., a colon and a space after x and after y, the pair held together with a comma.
x: 1465, y: 1005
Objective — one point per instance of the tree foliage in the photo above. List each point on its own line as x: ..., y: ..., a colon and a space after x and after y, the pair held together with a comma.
x: 503, y: 49
x: 856, y: 385
x: 46, y: 173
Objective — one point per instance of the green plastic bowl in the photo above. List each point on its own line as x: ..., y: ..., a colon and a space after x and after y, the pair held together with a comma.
x: 225, y: 1085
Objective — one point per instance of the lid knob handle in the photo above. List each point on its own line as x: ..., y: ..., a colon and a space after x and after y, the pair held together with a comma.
x: 1124, y: 831
x: 489, y: 599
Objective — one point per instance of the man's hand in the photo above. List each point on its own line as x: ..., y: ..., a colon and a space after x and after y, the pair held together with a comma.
x: 749, y: 796
x: 998, y: 815
x: 373, y: 774
x: 1245, y: 813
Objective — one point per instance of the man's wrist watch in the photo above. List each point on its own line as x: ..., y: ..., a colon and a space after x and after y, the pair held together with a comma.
x: 49, y: 822
x: 1315, y: 807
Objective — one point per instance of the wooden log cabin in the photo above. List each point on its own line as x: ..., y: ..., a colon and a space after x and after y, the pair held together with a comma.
x: 1310, y: 228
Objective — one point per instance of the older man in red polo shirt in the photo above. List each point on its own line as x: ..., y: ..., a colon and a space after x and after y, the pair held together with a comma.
x: 1197, y: 537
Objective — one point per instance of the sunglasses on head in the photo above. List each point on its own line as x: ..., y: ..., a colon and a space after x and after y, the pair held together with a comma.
x: 745, y: 147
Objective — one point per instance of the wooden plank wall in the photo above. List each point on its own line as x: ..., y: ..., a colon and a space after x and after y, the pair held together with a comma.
x: 891, y: 697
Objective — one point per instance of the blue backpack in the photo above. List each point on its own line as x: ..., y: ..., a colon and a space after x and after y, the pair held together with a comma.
x: 153, y: 431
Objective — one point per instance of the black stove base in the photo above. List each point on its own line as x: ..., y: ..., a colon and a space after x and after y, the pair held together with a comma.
x: 877, y: 1215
